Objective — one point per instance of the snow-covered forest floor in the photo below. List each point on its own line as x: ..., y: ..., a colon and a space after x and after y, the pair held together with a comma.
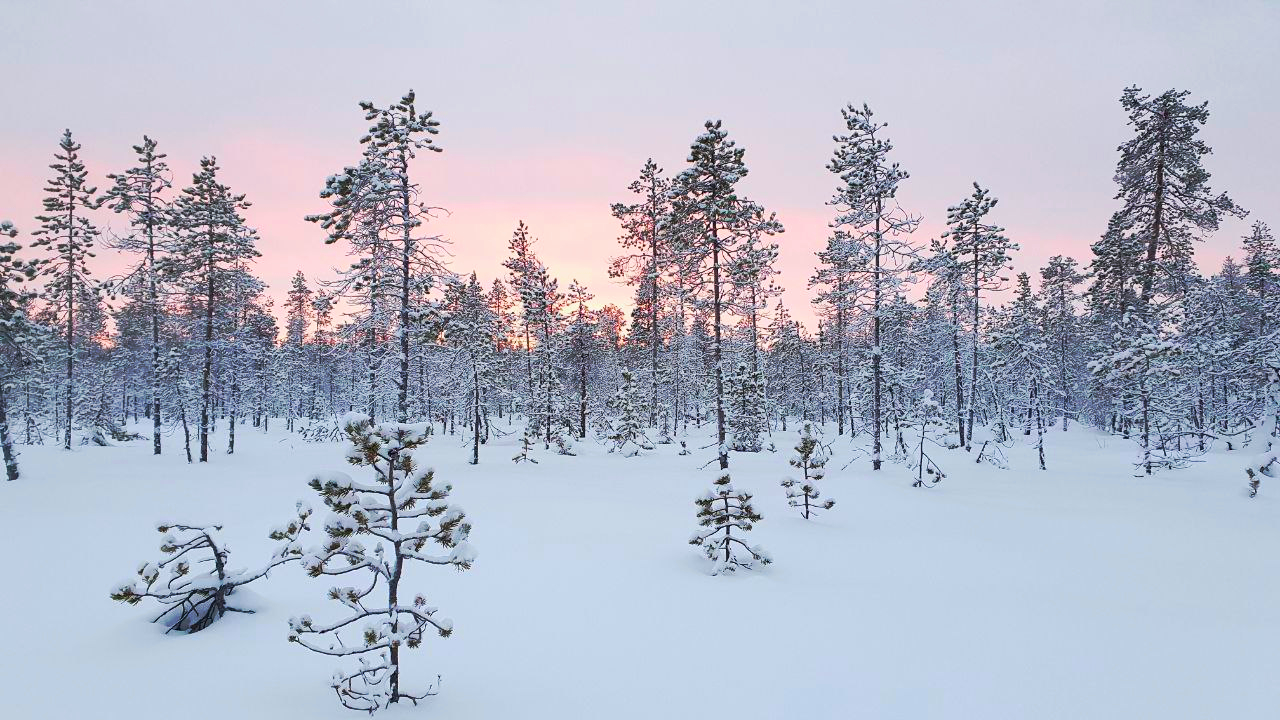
x: 1079, y: 592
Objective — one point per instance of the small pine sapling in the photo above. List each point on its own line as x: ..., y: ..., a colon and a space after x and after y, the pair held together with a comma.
x: 526, y: 444
x: 403, y: 511
x: 930, y: 421
x: 810, y: 458
x: 722, y: 510
x: 194, y: 598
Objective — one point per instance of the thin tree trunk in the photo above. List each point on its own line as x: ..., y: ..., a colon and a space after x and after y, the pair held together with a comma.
x: 6, y: 442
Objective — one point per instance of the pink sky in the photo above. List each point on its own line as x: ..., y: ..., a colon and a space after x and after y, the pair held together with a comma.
x: 549, y: 110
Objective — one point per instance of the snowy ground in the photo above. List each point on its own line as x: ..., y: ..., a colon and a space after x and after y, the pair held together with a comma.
x: 1081, y: 592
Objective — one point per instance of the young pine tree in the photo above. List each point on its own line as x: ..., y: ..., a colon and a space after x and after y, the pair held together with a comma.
x: 810, y: 459
x: 402, y: 511
x: 721, y: 511
x: 197, y: 577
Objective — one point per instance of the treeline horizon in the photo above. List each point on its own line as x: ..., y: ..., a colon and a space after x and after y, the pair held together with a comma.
x: 1134, y: 339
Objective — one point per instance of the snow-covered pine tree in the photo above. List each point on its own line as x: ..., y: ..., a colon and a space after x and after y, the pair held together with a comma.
x: 645, y: 226
x: 810, y: 459
x: 541, y: 300
x: 715, y: 225
x: 1058, y: 282
x: 948, y: 293
x: 469, y: 332
x: 791, y: 367
x: 1262, y: 445
x: 581, y: 346
x: 197, y: 579
x: 1165, y: 187
x: 377, y: 208
x: 68, y: 234
x: 17, y: 335
x: 875, y: 230
x: 211, y: 245
x: 1021, y: 361
x: 1262, y: 261
x: 294, y: 352
x: 1141, y: 361
x: 982, y: 253
x: 929, y: 419
x: 526, y: 444
x: 744, y: 395
x: 835, y: 302
x: 139, y: 193
x: 402, y: 510
x: 752, y: 276
x: 397, y: 133
x: 626, y: 426
x: 721, y: 511
x: 359, y: 215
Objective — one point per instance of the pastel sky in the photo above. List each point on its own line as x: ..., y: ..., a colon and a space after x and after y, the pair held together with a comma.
x: 549, y: 109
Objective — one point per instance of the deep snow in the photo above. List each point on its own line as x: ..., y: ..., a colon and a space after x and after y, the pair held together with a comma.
x: 1080, y: 592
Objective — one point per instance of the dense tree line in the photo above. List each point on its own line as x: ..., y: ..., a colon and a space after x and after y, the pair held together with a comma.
x: 917, y: 339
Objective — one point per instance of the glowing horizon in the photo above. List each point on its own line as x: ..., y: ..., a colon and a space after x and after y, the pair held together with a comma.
x: 545, y: 122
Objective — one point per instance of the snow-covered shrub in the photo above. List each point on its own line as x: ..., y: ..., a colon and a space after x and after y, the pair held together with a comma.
x: 1262, y: 442
x: 192, y: 583
x: 400, y: 511
x: 810, y: 458
x: 722, y: 510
